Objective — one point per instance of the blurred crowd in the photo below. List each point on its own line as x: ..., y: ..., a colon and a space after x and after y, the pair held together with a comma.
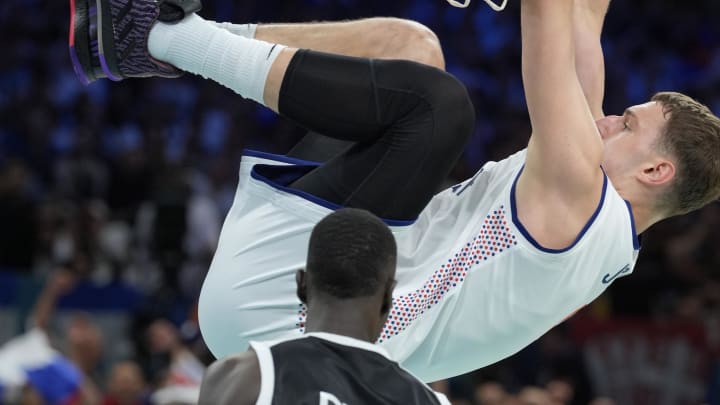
x: 125, y: 185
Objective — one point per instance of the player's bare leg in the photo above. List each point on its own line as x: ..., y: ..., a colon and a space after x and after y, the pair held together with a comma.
x: 378, y: 37
x: 275, y: 77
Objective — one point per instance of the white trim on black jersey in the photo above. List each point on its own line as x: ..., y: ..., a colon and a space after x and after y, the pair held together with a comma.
x: 267, y: 373
x: 348, y: 341
x: 267, y: 365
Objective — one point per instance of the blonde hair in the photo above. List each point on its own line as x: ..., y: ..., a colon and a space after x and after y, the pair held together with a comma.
x: 692, y: 136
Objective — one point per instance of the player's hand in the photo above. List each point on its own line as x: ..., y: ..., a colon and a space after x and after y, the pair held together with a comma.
x: 62, y: 282
x: 458, y: 4
x: 491, y: 3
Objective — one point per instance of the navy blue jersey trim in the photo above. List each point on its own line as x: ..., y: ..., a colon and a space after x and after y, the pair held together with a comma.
x: 526, y: 234
x: 281, y: 181
x: 636, y: 238
x: 279, y: 158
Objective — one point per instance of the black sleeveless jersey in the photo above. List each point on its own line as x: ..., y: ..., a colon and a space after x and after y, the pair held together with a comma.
x: 328, y: 369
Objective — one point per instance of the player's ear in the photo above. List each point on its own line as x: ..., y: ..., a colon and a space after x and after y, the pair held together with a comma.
x: 387, y: 298
x: 301, y: 283
x: 659, y: 173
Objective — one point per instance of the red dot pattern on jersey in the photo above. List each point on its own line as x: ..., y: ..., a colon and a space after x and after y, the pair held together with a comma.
x: 495, y: 237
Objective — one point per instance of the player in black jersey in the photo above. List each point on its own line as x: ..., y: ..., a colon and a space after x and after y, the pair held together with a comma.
x: 347, y: 288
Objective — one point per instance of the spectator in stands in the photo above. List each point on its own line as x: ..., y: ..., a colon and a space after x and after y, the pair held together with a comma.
x: 491, y: 393
x: 82, y: 337
x: 32, y: 373
x: 126, y: 385
x: 18, y: 234
x: 184, y: 368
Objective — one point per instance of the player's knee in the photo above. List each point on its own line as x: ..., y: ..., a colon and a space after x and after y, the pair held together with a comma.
x: 432, y: 99
x: 453, y: 111
x: 409, y: 40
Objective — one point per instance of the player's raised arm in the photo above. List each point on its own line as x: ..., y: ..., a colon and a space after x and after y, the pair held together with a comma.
x: 561, y: 120
x: 561, y: 184
x: 588, y: 19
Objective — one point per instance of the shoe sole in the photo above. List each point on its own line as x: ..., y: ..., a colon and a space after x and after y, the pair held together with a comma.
x: 79, y: 41
x: 106, y: 41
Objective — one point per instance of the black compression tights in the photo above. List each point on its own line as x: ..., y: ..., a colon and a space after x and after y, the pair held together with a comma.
x: 407, y: 125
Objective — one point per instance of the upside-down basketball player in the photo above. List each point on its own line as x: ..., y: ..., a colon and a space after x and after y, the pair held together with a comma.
x: 484, y: 267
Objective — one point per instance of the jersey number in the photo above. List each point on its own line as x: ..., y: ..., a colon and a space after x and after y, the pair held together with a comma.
x: 327, y: 398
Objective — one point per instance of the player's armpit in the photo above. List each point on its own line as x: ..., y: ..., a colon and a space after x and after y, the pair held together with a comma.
x: 234, y: 380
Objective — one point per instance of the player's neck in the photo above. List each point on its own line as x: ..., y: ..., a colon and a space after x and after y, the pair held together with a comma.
x: 642, y: 201
x: 346, y: 318
x: 644, y: 214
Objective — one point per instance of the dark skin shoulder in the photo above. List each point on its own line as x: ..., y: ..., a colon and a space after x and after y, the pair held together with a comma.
x: 233, y: 380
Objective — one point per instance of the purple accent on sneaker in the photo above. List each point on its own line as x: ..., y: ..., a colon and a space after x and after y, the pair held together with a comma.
x: 79, y: 72
x: 106, y: 69
x: 131, y: 22
x: 94, y: 45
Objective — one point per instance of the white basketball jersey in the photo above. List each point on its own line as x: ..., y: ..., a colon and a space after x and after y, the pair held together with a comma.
x: 473, y: 286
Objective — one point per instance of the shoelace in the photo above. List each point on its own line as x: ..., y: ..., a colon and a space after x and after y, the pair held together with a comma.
x: 490, y: 3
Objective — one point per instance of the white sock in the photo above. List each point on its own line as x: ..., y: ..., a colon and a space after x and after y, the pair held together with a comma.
x: 244, y: 30
x: 198, y: 46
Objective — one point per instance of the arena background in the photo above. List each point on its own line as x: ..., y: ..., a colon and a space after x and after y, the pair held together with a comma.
x: 124, y: 185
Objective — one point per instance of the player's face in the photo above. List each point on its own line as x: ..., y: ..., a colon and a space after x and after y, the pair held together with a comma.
x: 630, y: 139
